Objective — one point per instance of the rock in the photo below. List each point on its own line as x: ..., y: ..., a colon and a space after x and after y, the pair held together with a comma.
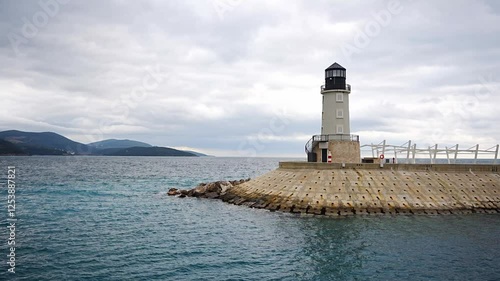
x: 211, y: 195
x: 199, y: 190
x: 173, y: 192
x: 237, y: 182
x: 212, y: 190
x: 225, y: 187
x: 227, y: 197
x: 213, y: 187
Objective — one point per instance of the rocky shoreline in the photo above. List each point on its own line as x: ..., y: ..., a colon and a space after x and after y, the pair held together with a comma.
x: 212, y: 190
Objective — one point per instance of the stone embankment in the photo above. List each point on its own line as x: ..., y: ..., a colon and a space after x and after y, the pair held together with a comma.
x: 338, y: 190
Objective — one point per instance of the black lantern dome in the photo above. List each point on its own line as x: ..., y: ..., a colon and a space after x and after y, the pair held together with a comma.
x: 335, y: 77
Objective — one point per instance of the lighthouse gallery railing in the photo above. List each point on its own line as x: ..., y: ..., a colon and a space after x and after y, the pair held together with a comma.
x: 323, y: 138
x: 347, y: 88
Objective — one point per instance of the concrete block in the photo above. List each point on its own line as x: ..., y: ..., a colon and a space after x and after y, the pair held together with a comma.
x: 346, y: 212
x: 360, y: 211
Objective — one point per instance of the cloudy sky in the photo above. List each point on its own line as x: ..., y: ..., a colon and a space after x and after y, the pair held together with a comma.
x: 242, y: 77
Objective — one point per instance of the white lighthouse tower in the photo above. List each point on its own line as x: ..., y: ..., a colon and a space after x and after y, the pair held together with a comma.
x: 335, y: 144
x: 335, y: 115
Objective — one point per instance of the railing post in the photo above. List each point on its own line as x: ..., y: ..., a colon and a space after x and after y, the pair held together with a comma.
x: 408, y: 153
x: 435, y: 153
x: 414, y: 152
x: 430, y: 154
x: 383, y: 147
x: 476, y: 153
x: 447, y: 154
x: 496, y: 155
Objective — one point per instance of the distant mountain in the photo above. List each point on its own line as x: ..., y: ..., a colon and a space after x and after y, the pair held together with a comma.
x: 196, y: 153
x: 46, y: 143
x: 28, y: 143
x: 8, y: 148
x: 145, y: 151
x: 110, y: 146
x: 114, y: 143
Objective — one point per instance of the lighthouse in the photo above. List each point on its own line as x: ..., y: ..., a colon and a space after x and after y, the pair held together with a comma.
x: 335, y: 144
x: 335, y: 92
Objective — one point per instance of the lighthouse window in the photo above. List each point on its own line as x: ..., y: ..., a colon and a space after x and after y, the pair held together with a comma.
x: 340, y: 97
x: 340, y: 129
x: 340, y: 113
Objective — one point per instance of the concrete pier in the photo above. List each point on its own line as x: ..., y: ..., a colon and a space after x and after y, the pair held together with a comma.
x: 367, y: 189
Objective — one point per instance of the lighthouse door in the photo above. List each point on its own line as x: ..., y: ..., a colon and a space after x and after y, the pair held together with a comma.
x: 324, y: 155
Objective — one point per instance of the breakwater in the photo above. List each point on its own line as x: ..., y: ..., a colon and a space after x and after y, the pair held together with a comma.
x: 365, y: 189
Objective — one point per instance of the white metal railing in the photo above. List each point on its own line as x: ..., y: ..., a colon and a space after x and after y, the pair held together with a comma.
x: 409, y: 151
x: 340, y: 137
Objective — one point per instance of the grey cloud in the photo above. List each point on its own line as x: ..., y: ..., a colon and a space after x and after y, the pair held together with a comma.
x: 224, y: 77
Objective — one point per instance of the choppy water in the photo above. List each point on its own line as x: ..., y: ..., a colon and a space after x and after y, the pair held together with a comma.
x: 107, y: 218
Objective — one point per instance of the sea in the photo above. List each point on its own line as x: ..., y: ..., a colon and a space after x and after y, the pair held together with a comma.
x: 109, y: 218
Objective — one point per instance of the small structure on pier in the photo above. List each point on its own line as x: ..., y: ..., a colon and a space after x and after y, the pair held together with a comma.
x: 335, y: 144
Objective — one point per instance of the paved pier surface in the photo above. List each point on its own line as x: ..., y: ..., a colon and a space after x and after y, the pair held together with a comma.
x: 333, y: 189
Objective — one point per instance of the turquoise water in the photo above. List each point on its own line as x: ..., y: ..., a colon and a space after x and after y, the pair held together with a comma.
x: 108, y: 218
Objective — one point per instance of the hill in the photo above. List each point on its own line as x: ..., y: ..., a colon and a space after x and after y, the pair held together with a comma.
x: 196, y: 153
x: 46, y: 143
x: 114, y: 143
x: 8, y: 148
x: 110, y: 146
x: 145, y: 151
x: 15, y: 142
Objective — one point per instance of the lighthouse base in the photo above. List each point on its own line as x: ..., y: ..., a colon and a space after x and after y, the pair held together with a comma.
x: 341, y: 152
